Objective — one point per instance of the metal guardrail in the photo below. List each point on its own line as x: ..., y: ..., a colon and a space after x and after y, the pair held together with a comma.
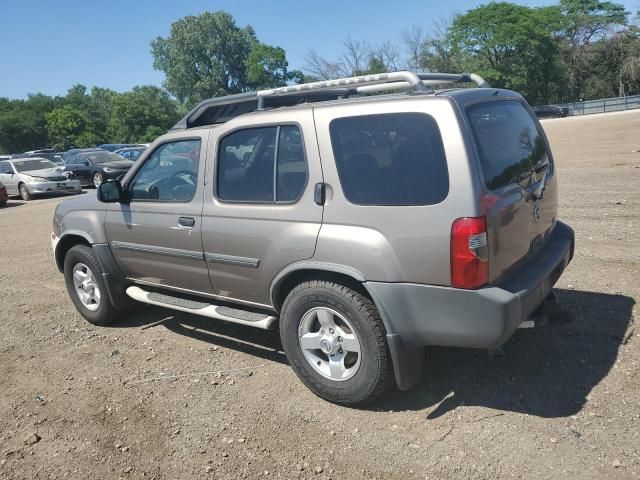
x: 603, y: 105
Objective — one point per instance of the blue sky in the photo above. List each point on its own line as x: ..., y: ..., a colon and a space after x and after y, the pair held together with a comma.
x: 48, y: 45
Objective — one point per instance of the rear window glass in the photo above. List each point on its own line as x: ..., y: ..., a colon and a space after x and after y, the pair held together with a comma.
x: 390, y: 159
x: 508, y: 141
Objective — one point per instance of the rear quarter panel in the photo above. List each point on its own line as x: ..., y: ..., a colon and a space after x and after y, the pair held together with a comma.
x: 396, y: 243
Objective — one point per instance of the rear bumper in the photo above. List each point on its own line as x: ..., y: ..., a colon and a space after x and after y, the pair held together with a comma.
x: 420, y: 315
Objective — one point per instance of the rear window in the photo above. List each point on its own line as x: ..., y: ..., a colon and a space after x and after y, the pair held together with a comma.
x: 390, y: 159
x: 508, y: 141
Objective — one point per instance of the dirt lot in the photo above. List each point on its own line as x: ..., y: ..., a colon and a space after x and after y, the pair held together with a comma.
x: 563, y: 403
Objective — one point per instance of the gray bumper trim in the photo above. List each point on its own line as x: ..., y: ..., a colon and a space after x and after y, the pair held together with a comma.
x: 420, y: 315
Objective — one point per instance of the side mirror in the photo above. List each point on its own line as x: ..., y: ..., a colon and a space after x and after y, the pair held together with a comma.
x: 85, y: 163
x: 110, y: 191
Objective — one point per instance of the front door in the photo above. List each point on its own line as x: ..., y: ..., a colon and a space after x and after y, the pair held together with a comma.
x: 81, y: 168
x: 259, y: 213
x: 156, y: 237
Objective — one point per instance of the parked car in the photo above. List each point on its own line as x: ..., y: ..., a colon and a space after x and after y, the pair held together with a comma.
x: 32, y: 176
x: 4, y: 196
x: 74, y: 151
x: 92, y: 167
x: 130, y: 153
x: 364, y: 229
x: 550, y: 111
x: 49, y: 154
x: 112, y: 147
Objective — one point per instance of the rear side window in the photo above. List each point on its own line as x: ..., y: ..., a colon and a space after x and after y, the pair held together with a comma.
x: 390, y: 159
x: 508, y: 141
x: 264, y: 165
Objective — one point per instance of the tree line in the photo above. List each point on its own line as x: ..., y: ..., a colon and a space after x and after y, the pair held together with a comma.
x: 573, y: 50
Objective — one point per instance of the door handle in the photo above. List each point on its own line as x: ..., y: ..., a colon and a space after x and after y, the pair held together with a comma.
x: 186, y: 221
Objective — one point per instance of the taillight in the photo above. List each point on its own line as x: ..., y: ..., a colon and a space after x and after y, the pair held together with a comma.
x: 469, y: 253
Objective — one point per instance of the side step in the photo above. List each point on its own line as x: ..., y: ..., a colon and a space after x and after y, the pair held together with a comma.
x: 228, y: 314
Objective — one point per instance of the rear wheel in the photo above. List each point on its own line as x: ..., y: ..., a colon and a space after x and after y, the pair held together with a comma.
x: 335, y: 342
x: 88, y: 292
x: 24, y: 192
x: 97, y: 179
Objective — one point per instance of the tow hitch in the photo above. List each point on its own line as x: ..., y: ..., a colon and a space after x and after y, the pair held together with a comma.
x: 550, y: 310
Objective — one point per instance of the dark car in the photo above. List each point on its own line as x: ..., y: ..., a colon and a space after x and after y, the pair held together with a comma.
x: 66, y: 156
x: 112, y: 147
x: 94, y: 166
x: 130, y: 153
x: 550, y: 111
x: 3, y: 195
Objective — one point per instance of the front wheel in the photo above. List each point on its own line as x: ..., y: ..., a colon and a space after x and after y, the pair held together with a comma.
x: 25, y: 193
x: 336, y: 342
x: 86, y: 287
x: 97, y: 179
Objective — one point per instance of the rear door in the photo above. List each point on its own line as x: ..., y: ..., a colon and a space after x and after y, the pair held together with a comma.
x: 259, y: 213
x: 156, y: 237
x: 519, y: 178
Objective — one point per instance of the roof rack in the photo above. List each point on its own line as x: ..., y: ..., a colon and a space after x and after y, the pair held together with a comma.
x: 222, y: 109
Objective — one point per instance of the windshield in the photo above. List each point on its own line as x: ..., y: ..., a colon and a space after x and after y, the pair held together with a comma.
x: 103, y: 157
x: 29, y: 165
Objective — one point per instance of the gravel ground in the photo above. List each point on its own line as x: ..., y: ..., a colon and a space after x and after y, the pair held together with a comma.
x: 78, y: 401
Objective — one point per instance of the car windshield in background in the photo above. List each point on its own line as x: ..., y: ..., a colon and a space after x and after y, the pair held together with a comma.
x: 508, y: 141
x: 103, y: 157
x: 29, y: 165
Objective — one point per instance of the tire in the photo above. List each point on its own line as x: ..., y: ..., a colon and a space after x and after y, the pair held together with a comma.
x: 371, y: 369
x: 24, y: 192
x: 84, y: 258
x: 96, y: 179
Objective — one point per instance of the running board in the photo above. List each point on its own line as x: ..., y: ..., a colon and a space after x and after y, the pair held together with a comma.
x: 219, y: 312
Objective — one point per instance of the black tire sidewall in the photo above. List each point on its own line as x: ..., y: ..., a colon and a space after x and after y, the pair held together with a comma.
x: 84, y: 254
x: 359, y: 388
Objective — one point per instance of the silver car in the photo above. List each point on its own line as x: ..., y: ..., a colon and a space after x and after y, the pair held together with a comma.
x: 33, y: 176
x: 362, y: 227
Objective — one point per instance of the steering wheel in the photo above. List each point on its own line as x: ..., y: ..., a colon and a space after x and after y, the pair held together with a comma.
x: 193, y: 176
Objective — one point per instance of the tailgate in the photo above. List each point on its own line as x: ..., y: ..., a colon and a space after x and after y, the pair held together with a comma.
x: 518, y: 173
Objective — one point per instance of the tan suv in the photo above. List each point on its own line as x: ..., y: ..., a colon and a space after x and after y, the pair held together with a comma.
x: 362, y: 226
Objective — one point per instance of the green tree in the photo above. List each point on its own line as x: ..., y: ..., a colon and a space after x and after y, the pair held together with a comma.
x: 64, y: 125
x: 267, y: 66
x: 585, y: 22
x: 512, y: 46
x: 209, y: 55
x: 141, y: 114
x: 204, y: 56
x: 23, y: 125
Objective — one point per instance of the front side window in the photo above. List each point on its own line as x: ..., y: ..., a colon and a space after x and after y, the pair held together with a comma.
x: 170, y: 174
x: 265, y: 164
x: 6, y: 168
x: 390, y: 159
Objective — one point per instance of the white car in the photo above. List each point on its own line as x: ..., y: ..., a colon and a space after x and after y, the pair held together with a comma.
x: 32, y: 176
